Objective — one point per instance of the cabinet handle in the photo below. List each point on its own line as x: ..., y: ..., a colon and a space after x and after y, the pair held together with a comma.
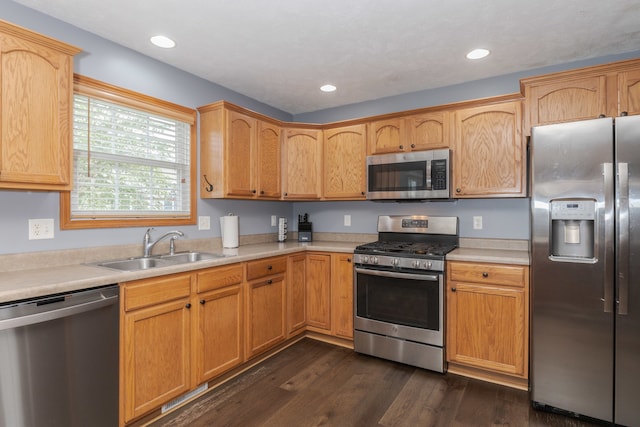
x: 601, y: 116
x: 209, y: 186
x: 269, y: 267
x: 485, y: 274
x: 202, y: 301
x: 453, y: 289
x: 188, y: 305
x: 624, y: 113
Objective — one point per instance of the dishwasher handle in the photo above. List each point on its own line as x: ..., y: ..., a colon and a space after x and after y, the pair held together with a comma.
x: 58, y: 313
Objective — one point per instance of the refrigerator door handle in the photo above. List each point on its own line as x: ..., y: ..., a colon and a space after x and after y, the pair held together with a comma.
x: 609, y: 238
x: 623, y: 239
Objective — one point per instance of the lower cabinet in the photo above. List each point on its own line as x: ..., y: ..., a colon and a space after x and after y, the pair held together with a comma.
x: 296, y: 294
x: 218, y: 333
x: 155, y: 343
x: 266, y: 304
x: 488, y: 321
x: 329, y: 287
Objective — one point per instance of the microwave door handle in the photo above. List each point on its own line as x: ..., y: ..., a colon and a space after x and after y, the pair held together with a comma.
x: 428, y: 175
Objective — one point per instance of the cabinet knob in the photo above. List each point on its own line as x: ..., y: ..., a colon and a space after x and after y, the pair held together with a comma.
x: 485, y: 274
x: 458, y: 190
x: 624, y: 113
x: 348, y: 259
x: 269, y: 282
x: 453, y: 289
x: 362, y: 192
x: 413, y: 145
x: 269, y: 267
x: 253, y: 191
x: 202, y: 301
x: 286, y: 194
x: 601, y: 116
x: 401, y: 147
x: 188, y: 305
x: 261, y: 191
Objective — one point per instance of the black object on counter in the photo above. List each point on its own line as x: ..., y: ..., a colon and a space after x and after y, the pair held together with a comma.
x: 305, y: 232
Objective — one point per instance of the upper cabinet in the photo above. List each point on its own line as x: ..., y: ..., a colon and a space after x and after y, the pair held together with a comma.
x: 302, y: 160
x: 36, y: 109
x: 239, y: 154
x: 489, y: 155
x: 344, y: 162
x: 413, y: 132
x: 586, y: 93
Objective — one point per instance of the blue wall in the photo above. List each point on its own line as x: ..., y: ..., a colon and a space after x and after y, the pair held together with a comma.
x: 106, y: 61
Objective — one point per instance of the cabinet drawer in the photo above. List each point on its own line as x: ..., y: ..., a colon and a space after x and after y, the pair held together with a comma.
x: 155, y: 290
x: 495, y: 274
x: 219, y: 277
x: 266, y: 267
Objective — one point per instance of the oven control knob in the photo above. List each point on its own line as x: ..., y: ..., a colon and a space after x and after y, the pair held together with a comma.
x: 427, y: 265
x: 375, y: 260
x: 395, y: 261
x: 415, y: 264
x: 365, y: 259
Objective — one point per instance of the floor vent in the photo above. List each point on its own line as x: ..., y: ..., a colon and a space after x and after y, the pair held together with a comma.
x: 178, y: 400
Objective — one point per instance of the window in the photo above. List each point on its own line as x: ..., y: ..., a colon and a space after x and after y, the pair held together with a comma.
x: 133, y: 160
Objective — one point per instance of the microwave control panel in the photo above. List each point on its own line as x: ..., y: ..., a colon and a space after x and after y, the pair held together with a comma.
x: 439, y: 174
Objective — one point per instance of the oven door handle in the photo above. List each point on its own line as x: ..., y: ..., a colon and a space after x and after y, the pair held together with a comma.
x: 412, y: 276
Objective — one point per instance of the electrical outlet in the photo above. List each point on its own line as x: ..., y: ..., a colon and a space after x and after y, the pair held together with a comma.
x: 274, y: 220
x: 41, y: 229
x: 477, y: 223
x: 204, y: 223
x: 347, y: 220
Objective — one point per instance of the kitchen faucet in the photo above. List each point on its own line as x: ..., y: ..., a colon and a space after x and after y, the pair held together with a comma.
x: 148, y: 244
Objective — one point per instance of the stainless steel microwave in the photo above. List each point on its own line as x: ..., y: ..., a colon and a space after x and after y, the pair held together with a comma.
x: 418, y: 175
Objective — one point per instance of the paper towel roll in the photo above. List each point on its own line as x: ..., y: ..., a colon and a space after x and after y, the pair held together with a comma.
x: 229, y: 230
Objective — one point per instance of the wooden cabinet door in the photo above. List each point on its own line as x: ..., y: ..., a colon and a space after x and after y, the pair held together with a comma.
x: 345, y: 155
x: 319, y: 291
x: 565, y: 100
x: 302, y: 164
x: 342, y: 295
x: 489, y: 153
x: 296, y: 294
x: 486, y: 327
x: 218, y: 332
x: 387, y: 136
x: 265, y: 314
x: 240, y: 151
x: 155, y: 355
x: 629, y: 92
x: 268, y: 163
x: 35, y: 111
x: 429, y: 131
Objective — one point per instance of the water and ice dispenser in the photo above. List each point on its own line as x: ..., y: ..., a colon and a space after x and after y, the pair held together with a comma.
x: 572, y: 228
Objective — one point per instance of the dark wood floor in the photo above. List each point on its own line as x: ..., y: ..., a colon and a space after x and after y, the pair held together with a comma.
x: 317, y: 384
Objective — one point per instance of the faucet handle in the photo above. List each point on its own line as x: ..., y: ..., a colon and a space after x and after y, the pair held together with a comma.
x: 172, y: 245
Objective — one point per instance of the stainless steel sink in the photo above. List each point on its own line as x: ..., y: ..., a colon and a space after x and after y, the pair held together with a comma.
x: 144, y: 263
x: 186, y: 257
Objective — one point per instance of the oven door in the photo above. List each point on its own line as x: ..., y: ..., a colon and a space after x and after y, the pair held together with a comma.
x: 408, y: 306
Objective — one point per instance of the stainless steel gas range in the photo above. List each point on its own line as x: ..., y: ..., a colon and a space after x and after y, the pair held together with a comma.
x: 399, y: 290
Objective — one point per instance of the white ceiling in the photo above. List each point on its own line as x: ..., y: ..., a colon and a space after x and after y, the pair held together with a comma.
x: 281, y: 51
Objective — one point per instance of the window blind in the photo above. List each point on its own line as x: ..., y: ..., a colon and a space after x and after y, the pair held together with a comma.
x: 128, y: 162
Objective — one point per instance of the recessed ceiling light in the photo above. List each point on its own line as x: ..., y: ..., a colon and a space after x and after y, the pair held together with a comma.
x: 478, y: 53
x: 163, y: 41
x: 328, y: 88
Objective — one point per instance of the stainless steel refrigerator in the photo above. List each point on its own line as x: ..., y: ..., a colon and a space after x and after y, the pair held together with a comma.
x: 585, y: 268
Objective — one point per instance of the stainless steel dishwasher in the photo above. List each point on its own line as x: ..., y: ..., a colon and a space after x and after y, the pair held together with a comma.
x: 59, y: 360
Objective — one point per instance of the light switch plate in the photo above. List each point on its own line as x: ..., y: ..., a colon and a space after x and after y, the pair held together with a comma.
x: 347, y: 220
x: 477, y: 223
x: 204, y: 223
